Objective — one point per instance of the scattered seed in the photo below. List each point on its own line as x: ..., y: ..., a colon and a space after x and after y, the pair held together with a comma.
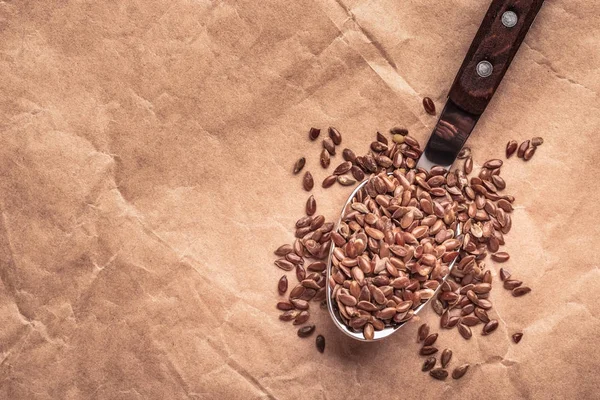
x: 348, y: 155
x: 428, y: 364
x: 504, y: 274
x: 428, y: 350
x: 399, y: 131
x: 342, y: 168
x: 284, y: 264
x: 423, y: 332
x: 490, y: 327
x: 517, y: 337
x: 429, y: 106
x: 460, y: 371
x: 311, y: 205
x: 482, y: 315
x: 430, y: 340
x: 493, y: 164
x: 329, y: 146
x: 522, y: 148
x: 308, y: 181
x: 537, y: 141
x: 468, y: 167
x: 439, y: 373
x: 289, y: 315
x: 529, y: 153
x: 320, y: 342
x: 511, y: 147
x: 283, y: 250
x: 314, y: 133
x: 464, y: 331
x: 329, y: 181
x: 501, y: 256
x: 345, y: 181
x: 357, y: 173
x: 299, y: 165
x: 301, y: 318
x: 521, y: 291
x: 511, y: 284
x: 282, y: 286
x: 445, y: 358
x: 306, y: 331
x: 325, y: 159
x: 335, y: 136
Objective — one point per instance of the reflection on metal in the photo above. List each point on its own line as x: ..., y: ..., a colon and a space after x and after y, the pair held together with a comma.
x: 509, y: 19
x: 449, y: 136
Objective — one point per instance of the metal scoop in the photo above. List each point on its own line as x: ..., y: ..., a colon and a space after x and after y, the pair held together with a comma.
x: 499, y: 37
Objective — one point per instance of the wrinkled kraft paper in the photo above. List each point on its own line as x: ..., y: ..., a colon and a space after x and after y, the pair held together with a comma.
x: 145, y: 164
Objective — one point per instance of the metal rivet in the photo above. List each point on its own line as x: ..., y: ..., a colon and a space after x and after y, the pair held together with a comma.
x: 509, y: 19
x: 484, y: 69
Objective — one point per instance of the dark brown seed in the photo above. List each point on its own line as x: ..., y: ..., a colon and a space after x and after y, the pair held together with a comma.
x: 511, y: 147
x: 493, y: 164
x: 378, y: 146
x: 430, y: 340
x: 284, y: 250
x: 311, y: 205
x: 428, y: 364
x: 308, y: 182
x: 501, y: 256
x: 325, y: 159
x: 423, y: 332
x: 490, y: 327
x: 300, y: 304
x: 468, y: 165
x: 537, y: 141
x: 529, y: 153
x: 437, y: 306
x: 445, y: 358
x: 511, y: 284
x: 504, y: 274
x: 345, y: 181
x: 522, y: 148
x: 282, y: 286
x: 357, y: 173
x: 399, y: 131
x: 284, y: 306
x: 429, y: 106
x: 306, y: 331
x: 302, y: 318
x: 348, y: 155
x: 459, y: 372
x: 329, y: 146
x: 284, y: 264
x: 299, y: 165
x: 289, y: 315
x: 342, y: 168
x: 482, y: 315
x: 381, y: 138
x: 300, y: 273
x: 498, y: 182
x: 335, y: 136
x: 428, y: 350
x: 329, y: 181
x: 470, y: 320
x: 314, y: 133
x: 320, y: 342
x: 464, y: 331
x: 517, y: 337
x: 439, y: 374
x: 521, y: 291
x: 317, y: 222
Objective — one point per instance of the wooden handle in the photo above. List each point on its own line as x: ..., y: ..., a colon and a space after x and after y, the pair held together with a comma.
x: 496, y: 44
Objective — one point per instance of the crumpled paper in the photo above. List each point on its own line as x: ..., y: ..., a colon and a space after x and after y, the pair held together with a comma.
x: 146, y: 161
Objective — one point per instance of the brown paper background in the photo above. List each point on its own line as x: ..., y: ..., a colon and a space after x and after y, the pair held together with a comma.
x: 146, y: 178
